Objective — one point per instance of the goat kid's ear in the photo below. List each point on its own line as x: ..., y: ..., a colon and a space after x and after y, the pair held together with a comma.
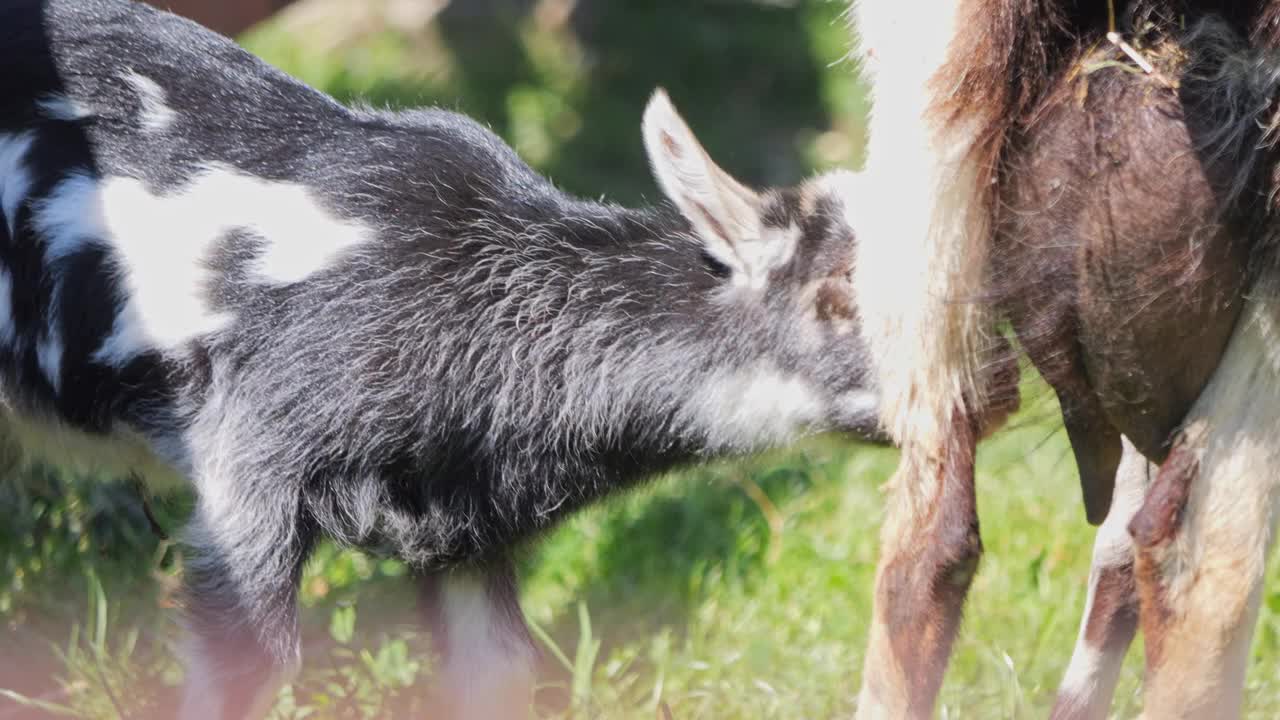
x: 725, y: 213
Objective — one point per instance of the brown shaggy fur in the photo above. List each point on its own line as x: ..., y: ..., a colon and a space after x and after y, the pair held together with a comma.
x: 1120, y: 257
x: 1120, y: 215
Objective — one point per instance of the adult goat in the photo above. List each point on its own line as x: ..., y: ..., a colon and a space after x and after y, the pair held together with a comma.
x: 1109, y: 193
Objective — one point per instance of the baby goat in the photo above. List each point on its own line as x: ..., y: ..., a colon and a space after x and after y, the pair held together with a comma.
x: 1102, y: 176
x: 379, y: 327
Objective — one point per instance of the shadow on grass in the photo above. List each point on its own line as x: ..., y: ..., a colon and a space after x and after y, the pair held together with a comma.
x: 655, y: 558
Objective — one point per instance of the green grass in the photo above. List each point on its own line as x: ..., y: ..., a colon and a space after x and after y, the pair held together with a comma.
x: 735, y: 590
x: 693, y: 594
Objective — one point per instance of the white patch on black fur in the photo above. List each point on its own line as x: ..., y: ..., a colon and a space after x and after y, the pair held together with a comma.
x: 60, y: 107
x: 162, y: 244
x: 15, y: 181
x: 156, y: 114
x: 302, y: 235
x: 49, y: 356
x: 753, y: 407
x: 70, y: 216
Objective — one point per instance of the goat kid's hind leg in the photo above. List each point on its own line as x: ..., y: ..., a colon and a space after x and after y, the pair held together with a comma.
x: 246, y: 551
x: 487, y: 655
x: 1111, y: 610
x: 1205, y: 530
x: 929, y: 552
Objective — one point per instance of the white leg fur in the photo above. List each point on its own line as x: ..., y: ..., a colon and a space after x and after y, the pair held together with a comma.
x: 918, y: 271
x: 488, y: 660
x: 1210, y: 573
x: 917, y: 278
x: 202, y: 698
x: 1090, y: 681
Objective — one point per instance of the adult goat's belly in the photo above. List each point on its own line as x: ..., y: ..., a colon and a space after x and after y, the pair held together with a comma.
x: 1120, y: 263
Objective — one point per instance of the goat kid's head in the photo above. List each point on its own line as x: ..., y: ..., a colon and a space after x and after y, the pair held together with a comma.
x: 789, y: 252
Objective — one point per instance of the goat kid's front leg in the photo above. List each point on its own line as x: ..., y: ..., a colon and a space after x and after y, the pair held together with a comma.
x: 1205, y: 530
x: 481, y: 638
x: 930, y: 548
x: 246, y: 552
x: 1111, y: 609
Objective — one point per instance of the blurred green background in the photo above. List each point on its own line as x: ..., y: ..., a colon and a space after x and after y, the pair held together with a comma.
x: 734, y: 590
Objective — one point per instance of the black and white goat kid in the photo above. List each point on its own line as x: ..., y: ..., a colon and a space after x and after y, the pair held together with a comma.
x: 379, y: 327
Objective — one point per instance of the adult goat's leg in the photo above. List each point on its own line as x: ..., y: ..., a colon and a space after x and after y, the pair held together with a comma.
x: 1205, y: 529
x: 919, y: 281
x: 917, y: 276
x: 1111, y: 610
x: 929, y: 551
x: 482, y: 640
x: 245, y: 557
